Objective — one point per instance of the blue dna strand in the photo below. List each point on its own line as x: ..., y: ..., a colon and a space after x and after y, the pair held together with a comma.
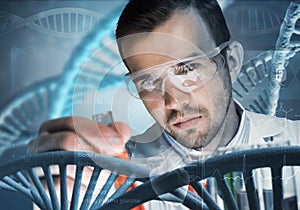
x: 21, y: 117
x: 250, y: 20
x: 94, y: 64
x: 91, y: 62
x: 60, y: 22
x: 54, y: 97
x: 257, y: 86
x: 287, y: 46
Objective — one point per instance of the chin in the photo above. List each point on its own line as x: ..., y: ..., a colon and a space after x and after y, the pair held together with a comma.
x: 192, y: 141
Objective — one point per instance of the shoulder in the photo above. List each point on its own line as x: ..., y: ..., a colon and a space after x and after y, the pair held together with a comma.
x: 281, y: 128
x: 272, y: 122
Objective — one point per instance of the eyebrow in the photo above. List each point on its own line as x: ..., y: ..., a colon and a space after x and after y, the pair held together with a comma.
x: 193, y: 54
x: 181, y: 61
x: 141, y: 77
x: 186, y: 59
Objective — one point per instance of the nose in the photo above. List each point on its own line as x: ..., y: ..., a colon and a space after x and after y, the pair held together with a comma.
x: 175, y: 98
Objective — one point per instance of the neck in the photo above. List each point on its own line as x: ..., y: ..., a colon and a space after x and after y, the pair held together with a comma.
x: 228, y: 130
x: 232, y: 123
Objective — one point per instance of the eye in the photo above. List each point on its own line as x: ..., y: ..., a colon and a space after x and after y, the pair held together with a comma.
x: 192, y: 66
x: 184, y: 68
x: 149, y: 83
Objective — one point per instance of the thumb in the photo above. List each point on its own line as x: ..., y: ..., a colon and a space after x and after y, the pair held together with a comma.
x: 122, y: 129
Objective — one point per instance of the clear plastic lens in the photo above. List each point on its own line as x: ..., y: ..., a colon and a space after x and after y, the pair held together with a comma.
x: 148, y: 84
x: 187, y: 75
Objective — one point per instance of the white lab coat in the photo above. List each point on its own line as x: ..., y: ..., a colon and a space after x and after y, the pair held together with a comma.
x: 151, y: 150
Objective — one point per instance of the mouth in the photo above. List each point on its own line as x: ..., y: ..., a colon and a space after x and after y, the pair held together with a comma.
x: 187, y: 123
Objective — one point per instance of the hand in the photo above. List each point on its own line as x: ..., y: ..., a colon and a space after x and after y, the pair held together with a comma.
x: 80, y: 134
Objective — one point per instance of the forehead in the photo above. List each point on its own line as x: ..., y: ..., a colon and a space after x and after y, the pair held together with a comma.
x: 183, y: 35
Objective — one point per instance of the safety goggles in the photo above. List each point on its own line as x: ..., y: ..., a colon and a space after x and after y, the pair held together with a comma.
x: 185, y: 74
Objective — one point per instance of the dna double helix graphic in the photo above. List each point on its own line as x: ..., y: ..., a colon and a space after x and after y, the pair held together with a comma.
x: 90, y: 67
x: 288, y: 44
x: 68, y: 22
x: 253, y: 21
x: 53, y: 97
x: 258, y: 84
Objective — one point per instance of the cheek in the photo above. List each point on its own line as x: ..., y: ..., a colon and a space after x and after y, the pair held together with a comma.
x: 220, y: 93
x: 203, y: 97
x: 212, y: 96
x: 156, y: 109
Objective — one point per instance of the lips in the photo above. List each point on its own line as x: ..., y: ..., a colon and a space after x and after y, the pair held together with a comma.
x: 187, y: 122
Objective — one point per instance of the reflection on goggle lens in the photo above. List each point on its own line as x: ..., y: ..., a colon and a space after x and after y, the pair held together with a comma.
x: 186, y: 74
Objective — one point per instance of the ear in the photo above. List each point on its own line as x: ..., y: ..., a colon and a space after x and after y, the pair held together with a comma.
x: 234, y: 57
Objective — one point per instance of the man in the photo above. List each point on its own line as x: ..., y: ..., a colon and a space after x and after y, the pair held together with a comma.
x: 182, y: 63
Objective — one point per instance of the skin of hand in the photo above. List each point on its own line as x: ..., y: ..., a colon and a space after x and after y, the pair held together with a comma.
x: 80, y: 134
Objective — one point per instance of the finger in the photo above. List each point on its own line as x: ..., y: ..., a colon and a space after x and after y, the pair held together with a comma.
x: 51, y: 142
x: 56, y: 125
x: 117, y: 132
x: 64, y: 124
x: 109, y: 140
x: 84, y: 125
x: 122, y: 129
x: 111, y: 145
x: 69, y: 141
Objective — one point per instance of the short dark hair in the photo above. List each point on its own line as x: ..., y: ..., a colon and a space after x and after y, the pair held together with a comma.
x: 146, y: 15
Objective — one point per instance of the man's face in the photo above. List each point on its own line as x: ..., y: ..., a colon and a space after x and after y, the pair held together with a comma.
x: 192, y: 116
